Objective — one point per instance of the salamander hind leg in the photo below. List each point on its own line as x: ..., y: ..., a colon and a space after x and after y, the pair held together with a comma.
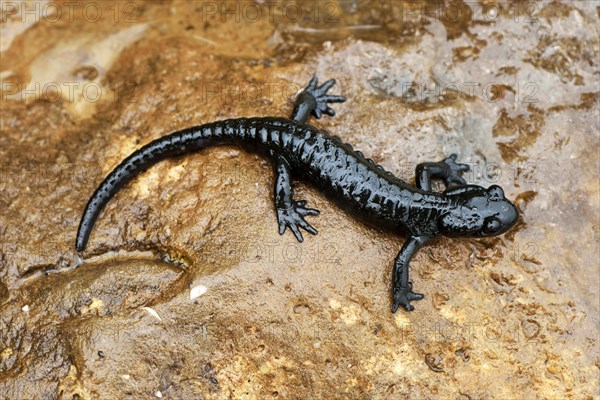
x: 290, y: 213
x: 314, y: 99
x: 293, y: 217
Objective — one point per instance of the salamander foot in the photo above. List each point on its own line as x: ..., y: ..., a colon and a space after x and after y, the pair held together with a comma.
x: 403, y: 296
x: 320, y: 96
x: 455, y: 171
x: 293, y: 217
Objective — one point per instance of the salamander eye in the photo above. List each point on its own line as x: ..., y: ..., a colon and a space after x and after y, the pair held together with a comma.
x: 491, y: 225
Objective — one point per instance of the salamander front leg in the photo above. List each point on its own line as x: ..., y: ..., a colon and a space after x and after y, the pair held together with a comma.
x: 401, y: 288
x: 290, y: 213
x: 315, y: 100
x: 447, y: 170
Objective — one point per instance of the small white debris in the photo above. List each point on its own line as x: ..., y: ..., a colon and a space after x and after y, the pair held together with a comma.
x: 158, y: 394
x: 126, y: 377
x: 153, y: 313
x: 197, y: 291
x: 25, y: 308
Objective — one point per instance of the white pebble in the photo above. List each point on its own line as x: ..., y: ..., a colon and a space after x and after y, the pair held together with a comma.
x: 153, y: 313
x: 25, y: 308
x: 197, y: 291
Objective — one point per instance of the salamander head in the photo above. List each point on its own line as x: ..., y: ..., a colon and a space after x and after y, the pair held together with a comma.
x: 479, y: 212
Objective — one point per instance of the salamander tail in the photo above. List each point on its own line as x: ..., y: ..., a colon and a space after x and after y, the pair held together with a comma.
x: 172, y: 145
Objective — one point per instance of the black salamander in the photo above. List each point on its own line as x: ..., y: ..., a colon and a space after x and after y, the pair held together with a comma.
x: 345, y: 175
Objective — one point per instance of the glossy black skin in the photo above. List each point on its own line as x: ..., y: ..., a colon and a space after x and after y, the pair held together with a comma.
x: 345, y: 175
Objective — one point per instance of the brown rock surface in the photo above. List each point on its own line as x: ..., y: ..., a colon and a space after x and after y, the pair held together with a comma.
x: 512, y: 88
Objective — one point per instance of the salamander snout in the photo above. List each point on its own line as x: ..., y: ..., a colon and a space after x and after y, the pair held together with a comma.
x: 500, y: 213
x: 480, y: 212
